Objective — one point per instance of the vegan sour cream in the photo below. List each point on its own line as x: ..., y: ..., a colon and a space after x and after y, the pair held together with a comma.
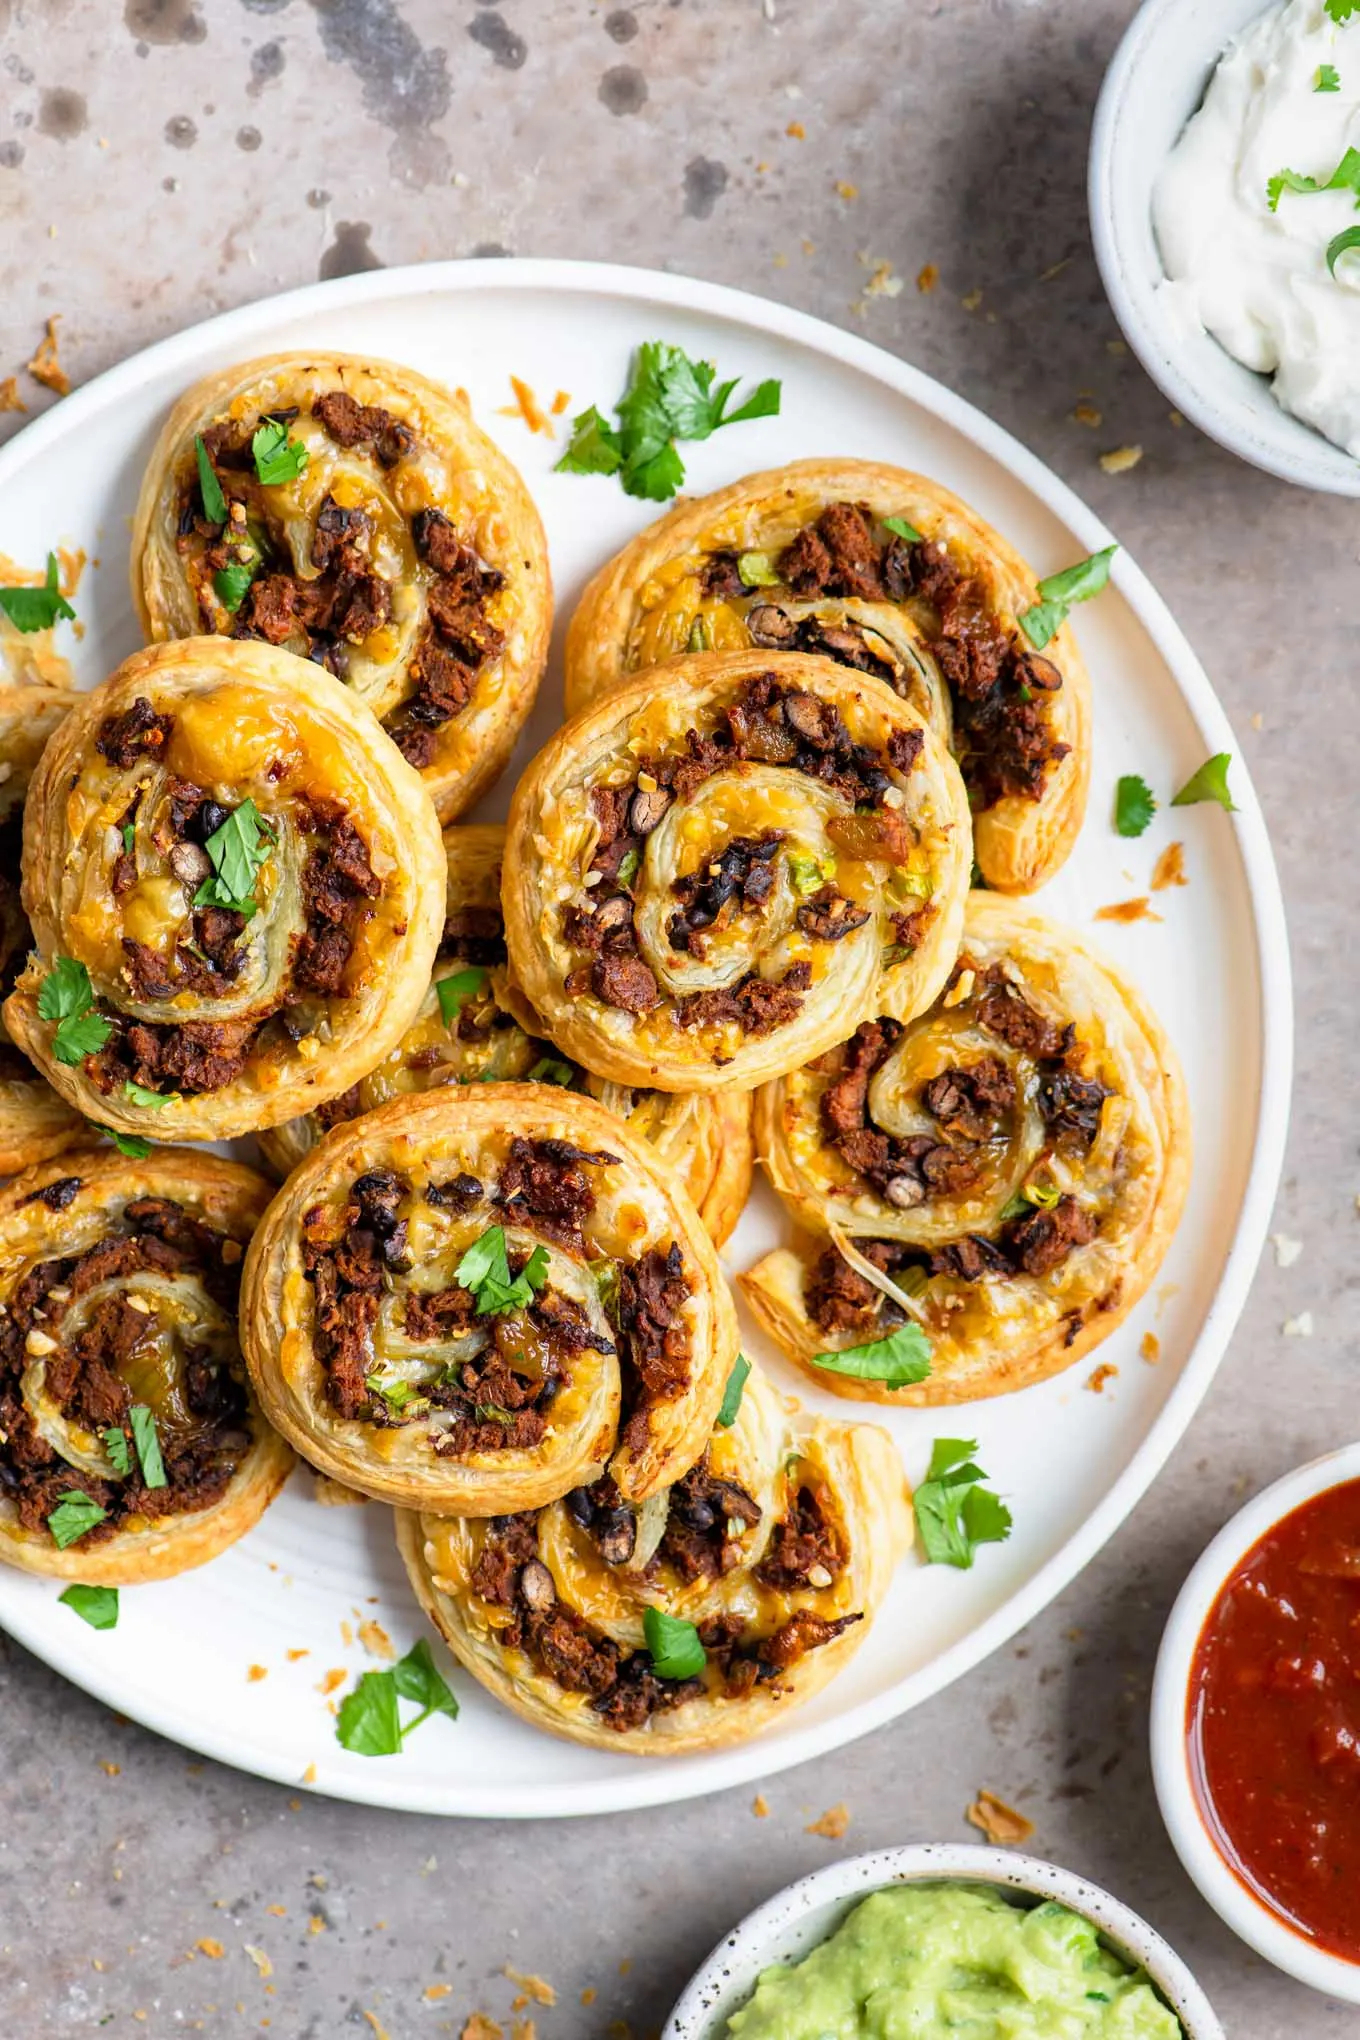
x: 1285, y: 97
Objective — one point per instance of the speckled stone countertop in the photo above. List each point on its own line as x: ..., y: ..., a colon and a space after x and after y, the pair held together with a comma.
x: 163, y: 159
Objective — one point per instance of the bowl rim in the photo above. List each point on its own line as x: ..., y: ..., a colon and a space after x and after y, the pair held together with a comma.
x: 1255, y: 1922
x: 1310, y: 461
x: 856, y: 1877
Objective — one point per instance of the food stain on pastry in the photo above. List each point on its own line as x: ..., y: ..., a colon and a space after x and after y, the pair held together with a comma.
x: 349, y: 253
x: 705, y: 183
x: 62, y: 114
x: 999, y: 1822
x: 1170, y: 868
x: 494, y: 33
x: 623, y: 89
x: 404, y: 85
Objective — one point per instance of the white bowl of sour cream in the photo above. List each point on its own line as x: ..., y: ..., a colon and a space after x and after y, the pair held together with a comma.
x: 1231, y: 306
x: 789, y: 1927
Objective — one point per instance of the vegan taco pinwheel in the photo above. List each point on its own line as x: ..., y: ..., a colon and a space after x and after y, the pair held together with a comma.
x: 887, y: 573
x: 131, y: 1446
x: 34, y: 1121
x: 474, y: 1027
x: 984, y: 1194
x: 476, y: 1299
x: 235, y: 884
x: 350, y: 510
x: 711, y: 871
x: 699, y: 1618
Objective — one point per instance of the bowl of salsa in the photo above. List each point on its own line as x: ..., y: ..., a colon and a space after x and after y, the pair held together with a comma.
x: 1256, y: 1724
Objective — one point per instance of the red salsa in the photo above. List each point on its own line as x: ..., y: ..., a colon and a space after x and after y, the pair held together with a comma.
x: 1274, y: 1720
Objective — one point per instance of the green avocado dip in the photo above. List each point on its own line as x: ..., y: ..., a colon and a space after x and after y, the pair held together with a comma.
x: 919, y: 1961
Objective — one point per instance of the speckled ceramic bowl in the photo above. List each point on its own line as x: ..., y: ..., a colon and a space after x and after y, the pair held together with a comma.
x: 1153, y: 85
x: 789, y: 1925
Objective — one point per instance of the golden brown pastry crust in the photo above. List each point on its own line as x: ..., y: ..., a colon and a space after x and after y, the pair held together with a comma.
x: 496, y: 1034
x: 240, y: 720
x: 763, y: 794
x: 34, y: 1121
x: 430, y: 1367
x: 648, y: 603
x: 496, y: 603
x: 1121, y: 1161
x: 180, y: 1287
x: 849, y: 1474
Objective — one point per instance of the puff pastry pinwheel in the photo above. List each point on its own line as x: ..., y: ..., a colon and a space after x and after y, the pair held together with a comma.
x: 888, y: 573
x: 131, y: 1446
x: 473, y: 1027
x: 34, y: 1121
x: 477, y: 1299
x: 710, y: 872
x: 993, y: 1186
x: 235, y: 884
x: 766, y: 1564
x: 351, y: 510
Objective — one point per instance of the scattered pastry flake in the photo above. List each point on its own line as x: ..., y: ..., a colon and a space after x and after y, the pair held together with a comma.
x: 1165, y: 1294
x: 309, y: 1775
x: 1120, y: 459
x: 1176, y: 419
x: 760, y: 1806
x: 972, y: 301
x: 1055, y: 269
x: 926, y: 278
x: 535, y: 1989
x: 849, y: 192
x: 1300, y: 1327
x: 479, y: 2027
x: 316, y: 1924
x: 334, y: 1679
x: 1116, y: 347
x: 256, y: 1673
x: 212, y: 1949
x: 1258, y: 721
x: 1127, y: 910
x: 45, y: 367
x: 999, y: 1822
x: 1098, y: 1376
x: 832, y: 1824
x: 347, y: 1633
x: 795, y: 131
x: 278, y: 1912
x: 110, y: 1770
x: 10, y: 400
x: 433, y: 1992
x: 260, y: 1959
x: 560, y: 402
x: 524, y: 2029
x: 333, y: 1494
x: 527, y: 407
x: 1287, y: 1251
x: 884, y: 282
x: 1150, y: 1348
x: 589, y: 1994
x: 1169, y: 868
x: 376, y: 1640
x: 1084, y: 413
x: 293, y: 1655
x: 379, y: 2030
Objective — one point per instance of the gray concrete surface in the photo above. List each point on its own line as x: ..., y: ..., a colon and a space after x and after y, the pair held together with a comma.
x: 162, y: 159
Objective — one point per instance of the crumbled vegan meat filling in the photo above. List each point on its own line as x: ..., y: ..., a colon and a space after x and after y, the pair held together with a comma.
x: 703, y: 1534
x: 652, y: 1296
x: 82, y: 1376
x: 135, y: 733
x: 806, y: 1549
x: 543, y: 1183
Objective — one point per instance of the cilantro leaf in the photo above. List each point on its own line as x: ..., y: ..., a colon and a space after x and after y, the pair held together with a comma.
x: 96, y: 1605
x: 954, y: 1513
x: 74, y: 1514
x: 900, y: 528
x: 899, y: 1360
x: 1058, y: 592
x: 1340, y: 244
x: 657, y: 478
x: 456, y: 989
x: 209, y: 488
x: 485, y: 1270
x: 732, y: 1394
x: 67, y: 996
x: 417, y: 1677
x: 1345, y: 177
x: 129, y: 835
x: 369, y: 1722
x: 1326, y: 78
x: 278, y: 459
x: 30, y: 609
x: 629, y: 866
x: 231, y: 583
x: 116, y: 1447
x: 1209, y: 783
x: 674, y: 1644
x: 1134, y: 805
x: 593, y: 448
x: 548, y: 1070
x: 237, y: 848
x: 130, y: 1144
x: 148, y: 1446
x: 398, y: 1395
x: 154, y: 1101
x: 1340, y: 10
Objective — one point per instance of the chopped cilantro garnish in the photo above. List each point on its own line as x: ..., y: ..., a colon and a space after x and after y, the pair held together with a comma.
x: 549, y: 1070
x: 237, y: 849
x: 1341, y: 244
x: 1340, y: 10
x: 456, y: 989
x: 129, y: 836
x: 1134, y: 805
x: 278, y: 459
x: 732, y: 1394
x: 900, y: 528
x: 30, y: 609
x: 67, y: 996
x: 231, y: 583
x: 898, y: 1361
x: 809, y: 873
x: 629, y: 866
x: 148, y: 1446
x: 674, y: 1644
x: 1209, y: 783
x: 1345, y: 177
x: 74, y: 1514
x: 130, y: 1144
x: 1058, y: 592
x: 485, y: 1270
x: 116, y: 1446
x: 214, y: 502
x: 154, y: 1101
x: 1326, y: 78
x: 397, y: 1394
x: 668, y: 397
x: 96, y: 1605
x: 369, y: 1721
x: 954, y: 1514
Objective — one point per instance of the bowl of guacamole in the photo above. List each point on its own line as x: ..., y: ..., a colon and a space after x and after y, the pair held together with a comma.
x: 943, y: 1942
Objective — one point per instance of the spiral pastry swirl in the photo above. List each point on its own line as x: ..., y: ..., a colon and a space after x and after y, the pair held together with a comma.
x: 777, y: 1549
x: 476, y: 1299
x: 481, y: 1030
x: 235, y: 884
x: 1005, y: 1173
x: 131, y: 1446
x: 885, y: 572
x: 351, y: 510
x: 708, y: 872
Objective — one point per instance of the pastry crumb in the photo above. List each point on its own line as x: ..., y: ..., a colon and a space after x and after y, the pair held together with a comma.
x: 560, y: 402
x: 760, y: 1806
x: 45, y: 367
x: 110, y: 1770
x: 848, y: 192
x: 884, y: 282
x: 1085, y: 413
x: 833, y: 1823
x: 999, y: 1822
x: 376, y: 1640
x: 380, y: 2031
x: 1300, y: 1327
x: 795, y: 131
x: 212, y: 1949
x: 524, y: 2029
x: 589, y: 1994
x: 1169, y: 868
x: 971, y: 302
x: 1150, y: 1348
x: 259, y: 1958
x: 479, y: 2027
x: 1098, y: 1377
x: 434, y: 1991
x: 334, y: 1678
x: 927, y: 276
x: 1120, y: 459
x: 309, y: 1775
x: 1287, y: 1251
x: 1258, y: 721
x: 1127, y: 910
x: 534, y: 1987
x: 255, y: 1673
x: 10, y: 400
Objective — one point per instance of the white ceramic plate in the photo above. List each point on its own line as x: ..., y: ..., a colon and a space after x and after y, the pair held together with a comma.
x: 1071, y: 1463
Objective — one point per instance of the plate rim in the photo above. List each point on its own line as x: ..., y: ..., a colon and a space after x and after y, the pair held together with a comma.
x: 653, y: 1782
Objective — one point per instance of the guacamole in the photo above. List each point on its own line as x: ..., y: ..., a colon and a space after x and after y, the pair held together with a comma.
x: 921, y: 1961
